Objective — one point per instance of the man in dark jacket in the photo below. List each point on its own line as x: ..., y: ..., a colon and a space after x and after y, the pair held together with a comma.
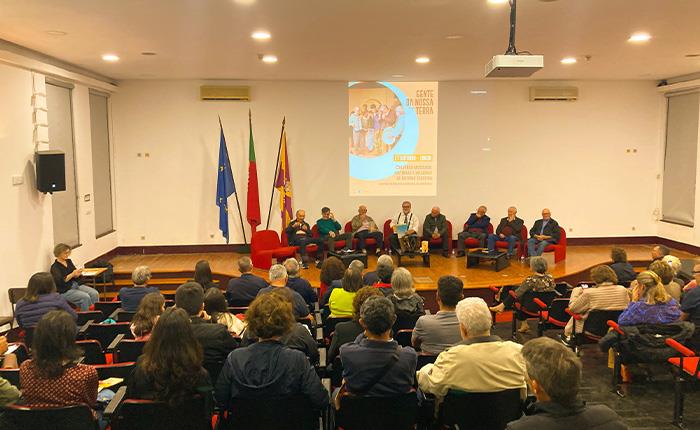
x: 299, y: 284
x: 477, y: 226
x: 545, y: 232
x: 242, y: 290
x: 215, y: 339
x: 435, y: 227
x: 299, y: 234
x: 554, y: 374
x: 508, y: 230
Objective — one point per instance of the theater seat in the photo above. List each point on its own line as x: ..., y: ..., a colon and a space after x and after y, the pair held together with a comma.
x: 438, y: 242
x: 519, y: 244
x: 264, y: 246
x: 560, y: 248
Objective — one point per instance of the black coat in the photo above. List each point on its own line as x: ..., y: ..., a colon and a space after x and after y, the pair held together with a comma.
x: 551, y: 229
x: 646, y: 343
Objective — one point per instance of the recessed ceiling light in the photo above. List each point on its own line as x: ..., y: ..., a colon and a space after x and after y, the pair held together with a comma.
x: 568, y: 60
x: 245, y: 2
x: 478, y: 92
x: 487, y: 149
x: 56, y: 33
x: 110, y: 57
x: 398, y: 76
x: 422, y: 60
x: 148, y: 53
x: 454, y: 36
x: 260, y: 35
x: 498, y: 1
x: 639, y: 37
x: 269, y: 59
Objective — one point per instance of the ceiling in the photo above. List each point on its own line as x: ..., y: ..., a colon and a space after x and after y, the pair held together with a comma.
x: 356, y: 40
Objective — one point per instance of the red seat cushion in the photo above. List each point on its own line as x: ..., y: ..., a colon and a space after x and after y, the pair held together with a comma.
x: 690, y: 364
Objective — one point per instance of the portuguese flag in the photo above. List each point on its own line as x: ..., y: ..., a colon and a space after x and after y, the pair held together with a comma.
x: 253, y: 207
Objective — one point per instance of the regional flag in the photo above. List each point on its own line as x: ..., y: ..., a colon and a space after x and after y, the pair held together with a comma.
x: 283, y: 181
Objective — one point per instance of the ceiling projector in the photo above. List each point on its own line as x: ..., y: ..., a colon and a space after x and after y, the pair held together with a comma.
x: 513, y: 66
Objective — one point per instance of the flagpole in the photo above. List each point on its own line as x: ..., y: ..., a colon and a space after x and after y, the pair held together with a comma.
x: 240, y: 214
x: 274, y: 178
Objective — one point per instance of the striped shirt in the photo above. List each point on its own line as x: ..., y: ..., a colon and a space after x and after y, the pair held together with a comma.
x: 604, y: 297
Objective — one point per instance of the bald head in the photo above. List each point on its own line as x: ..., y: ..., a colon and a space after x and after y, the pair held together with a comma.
x: 435, y: 211
x: 481, y: 210
x: 546, y: 214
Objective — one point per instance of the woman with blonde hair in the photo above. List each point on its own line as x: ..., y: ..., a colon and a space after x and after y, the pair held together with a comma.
x: 651, y: 304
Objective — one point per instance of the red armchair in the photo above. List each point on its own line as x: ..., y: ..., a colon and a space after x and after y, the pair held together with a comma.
x: 520, y: 244
x: 438, y: 241
x: 559, y: 249
x: 315, y: 233
x: 471, y: 242
x: 265, y: 245
x: 368, y: 242
x: 387, y: 234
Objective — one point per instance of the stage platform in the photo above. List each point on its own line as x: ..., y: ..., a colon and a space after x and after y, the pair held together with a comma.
x: 576, y: 266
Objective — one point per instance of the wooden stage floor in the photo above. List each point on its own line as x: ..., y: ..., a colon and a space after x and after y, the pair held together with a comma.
x: 579, y: 260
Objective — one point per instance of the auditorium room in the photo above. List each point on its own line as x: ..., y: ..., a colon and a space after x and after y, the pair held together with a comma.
x: 352, y: 215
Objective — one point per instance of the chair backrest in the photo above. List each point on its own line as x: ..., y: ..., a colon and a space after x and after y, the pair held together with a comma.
x: 348, y: 227
x: 11, y: 375
x: 562, y: 236
x: 78, y: 417
x: 15, y: 294
x: 85, y: 316
x: 403, y: 337
x: 107, y: 308
x: 481, y: 410
x: 557, y: 309
x: 424, y: 359
x: 105, y: 333
x: 128, y: 350
x: 92, y: 350
x: 405, y: 321
x: 527, y: 299
x: 264, y: 239
x: 116, y: 370
x: 597, y: 322
x: 125, y: 316
x: 329, y: 325
x: 362, y: 413
x: 387, y: 232
x: 283, y: 413
x: 193, y: 414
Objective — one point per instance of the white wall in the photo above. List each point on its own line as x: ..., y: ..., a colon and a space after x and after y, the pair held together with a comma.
x: 25, y: 219
x: 571, y: 157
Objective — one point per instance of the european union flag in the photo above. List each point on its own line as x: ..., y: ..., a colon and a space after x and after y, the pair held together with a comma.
x: 225, y: 186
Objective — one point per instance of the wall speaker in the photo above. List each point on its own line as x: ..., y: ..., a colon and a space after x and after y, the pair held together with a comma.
x: 50, y: 171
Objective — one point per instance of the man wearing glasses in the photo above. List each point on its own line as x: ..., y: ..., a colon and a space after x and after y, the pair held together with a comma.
x: 405, y: 228
x: 545, y: 232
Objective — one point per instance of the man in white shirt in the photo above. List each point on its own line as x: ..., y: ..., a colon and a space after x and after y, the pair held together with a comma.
x: 404, y: 225
x: 480, y: 363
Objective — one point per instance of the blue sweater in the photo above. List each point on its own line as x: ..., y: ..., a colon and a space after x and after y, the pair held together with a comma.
x: 131, y: 296
x: 477, y: 223
x: 29, y: 313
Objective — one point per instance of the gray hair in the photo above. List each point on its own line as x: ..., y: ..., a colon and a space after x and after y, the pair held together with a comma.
x: 245, y: 264
x: 385, y: 260
x: 555, y: 368
x: 357, y: 266
x: 277, y: 271
x: 378, y: 314
x: 538, y: 264
x: 141, y: 275
x: 474, y: 316
x: 402, y: 283
x: 292, y: 266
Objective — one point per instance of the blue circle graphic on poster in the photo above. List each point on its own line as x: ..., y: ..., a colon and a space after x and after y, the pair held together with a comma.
x: 400, y: 136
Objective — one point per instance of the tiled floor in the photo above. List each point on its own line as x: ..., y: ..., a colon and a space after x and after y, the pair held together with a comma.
x: 646, y: 405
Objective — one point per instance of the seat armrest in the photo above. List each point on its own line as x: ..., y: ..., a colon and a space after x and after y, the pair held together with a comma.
x: 113, y: 346
x: 322, y: 354
x: 316, y: 308
x: 319, y: 334
x: 493, y: 288
x: 114, y: 403
x: 83, y: 329
x: 575, y: 316
x: 616, y: 327
x: 540, y: 303
x: 679, y: 347
x: 318, y: 319
x: 115, y: 313
x: 326, y: 382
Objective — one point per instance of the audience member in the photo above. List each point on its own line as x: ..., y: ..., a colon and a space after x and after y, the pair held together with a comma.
x: 480, y: 362
x: 509, y: 230
x: 242, y: 290
x: 9, y: 394
x: 371, y: 278
x: 278, y: 279
x: 539, y: 282
x: 623, y: 269
x: 347, y: 331
x: 331, y: 231
x: 605, y: 296
x: 215, y: 340
x: 131, y: 296
x: 340, y: 300
x: 435, y: 333
x: 332, y: 269
x: 477, y: 227
x: 299, y: 284
x: 690, y: 306
x: 150, y: 309
x: 364, y: 227
x: 298, y: 338
x: 659, y: 251
x: 665, y: 272
x: 374, y: 364
x: 39, y: 299
x: 435, y: 227
x: 170, y: 369
x: 203, y: 276
x: 650, y: 304
x: 554, y: 374
x: 384, y: 274
x: 676, y: 266
x: 299, y: 234
x: 355, y: 265
x: 405, y: 228
x: 544, y: 232
x: 407, y: 304
x: 66, y: 277
x: 269, y: 369
x: 53, y: 377
x: 215, y: 305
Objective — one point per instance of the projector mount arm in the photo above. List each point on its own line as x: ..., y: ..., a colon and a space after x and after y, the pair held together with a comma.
x: 511, y: 40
